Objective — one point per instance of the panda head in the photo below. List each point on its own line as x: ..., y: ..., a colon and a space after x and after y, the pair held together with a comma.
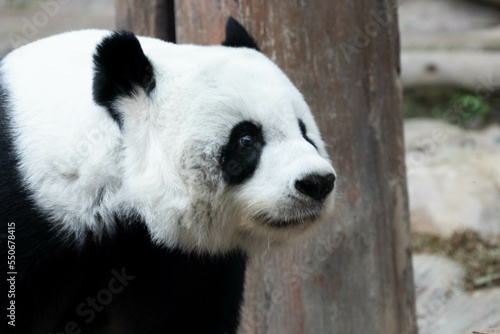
x: 220, y: 150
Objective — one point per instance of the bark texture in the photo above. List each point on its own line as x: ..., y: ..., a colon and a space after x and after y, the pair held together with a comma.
x: 154, y: 18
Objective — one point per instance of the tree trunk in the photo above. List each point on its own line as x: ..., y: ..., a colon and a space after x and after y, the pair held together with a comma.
x: 355, y: 275
x: 153, y: 18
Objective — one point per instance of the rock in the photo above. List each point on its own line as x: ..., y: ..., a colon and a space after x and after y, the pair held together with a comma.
x: 442, y: 305
x: 466, y: 313
x: 438, y: 281
x: 453, y: 178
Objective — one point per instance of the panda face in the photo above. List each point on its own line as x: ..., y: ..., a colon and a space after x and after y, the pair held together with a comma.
x: 253, y: 161
x: 212, y: 147
x: 242, y: 159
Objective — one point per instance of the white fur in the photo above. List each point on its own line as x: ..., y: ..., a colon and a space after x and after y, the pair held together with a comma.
x: 164, y: 163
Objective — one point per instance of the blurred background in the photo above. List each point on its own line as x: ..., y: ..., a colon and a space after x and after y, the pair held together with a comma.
x: 450, y: 63
x: 451, y: 79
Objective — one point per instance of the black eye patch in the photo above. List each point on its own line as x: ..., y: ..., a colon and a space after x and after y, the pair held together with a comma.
x: 303, y: 130
x: 241, y: 155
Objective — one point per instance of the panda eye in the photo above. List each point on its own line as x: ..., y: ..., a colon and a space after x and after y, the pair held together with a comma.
x: 241, y: 155
x: 246, y: 142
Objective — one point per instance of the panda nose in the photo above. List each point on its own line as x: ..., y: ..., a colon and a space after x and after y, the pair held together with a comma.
x: 316, y: 186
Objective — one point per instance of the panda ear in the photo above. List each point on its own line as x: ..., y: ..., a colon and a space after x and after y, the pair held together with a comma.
x: 120, y: 69
x: 237, y: 36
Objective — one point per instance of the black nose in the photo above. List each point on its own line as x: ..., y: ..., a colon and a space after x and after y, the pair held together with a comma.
x: 316, y: 186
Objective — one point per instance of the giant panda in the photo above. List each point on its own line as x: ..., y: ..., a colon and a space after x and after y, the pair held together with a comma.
x: 138, y: 176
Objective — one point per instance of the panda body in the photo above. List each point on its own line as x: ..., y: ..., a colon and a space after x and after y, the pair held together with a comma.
x: 141, y: 174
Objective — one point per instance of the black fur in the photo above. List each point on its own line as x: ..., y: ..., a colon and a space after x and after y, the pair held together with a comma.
x: 155, y: 290
x: 237, y: 36
x: 120, y: 66
x: 239, y: 162
x: 303, y: 130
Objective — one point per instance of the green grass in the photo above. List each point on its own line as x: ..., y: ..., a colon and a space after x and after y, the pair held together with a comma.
x: 451, y: 105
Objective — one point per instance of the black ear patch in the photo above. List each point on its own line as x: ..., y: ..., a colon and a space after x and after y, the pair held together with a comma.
x: 120, y: 66
x: 237, y: 36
